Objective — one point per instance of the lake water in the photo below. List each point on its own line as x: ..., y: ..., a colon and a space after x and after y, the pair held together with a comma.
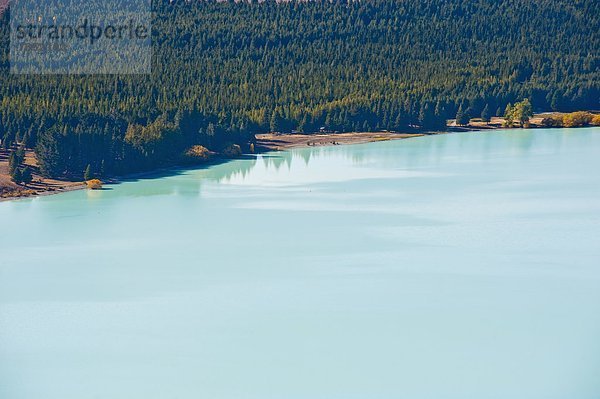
x: 454, y: 266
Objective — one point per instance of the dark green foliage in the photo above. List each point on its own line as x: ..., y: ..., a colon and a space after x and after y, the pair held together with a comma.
x: 556, y: 102
x: 13, y: 162
x: 277, y: 123
x: 441, y: 116
x: 17, y: 176
x: 485, y: 114
x: 26, y: 176
x: 52, y: 152
x: 426, y: 117
x: 20, y: 155
x: 26, y: 140
x: 462, y: 117
x: 224, y: 71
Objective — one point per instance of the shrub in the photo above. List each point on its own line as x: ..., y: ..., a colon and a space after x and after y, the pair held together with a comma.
x: 577, y: 119
x: 198, y: 153
x: 94, y: 184
x: 553, y: 121
x: 232, y: 151
x: 596, y: 120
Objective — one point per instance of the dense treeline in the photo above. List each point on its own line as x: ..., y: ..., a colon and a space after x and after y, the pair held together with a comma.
x: 224, y: 71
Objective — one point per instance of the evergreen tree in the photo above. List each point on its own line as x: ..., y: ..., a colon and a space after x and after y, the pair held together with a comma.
x: 485, y: 114
x: 462, y: 118
x: 20, y: 155
x: 440, y: 116
x: 50, y: 153
x: 5, y: 142
x: 13, y: 163
x: 426, y: 117
x: 87, y: 174
x: 16, y: 176
x: 556, y: 102
x: 26, y: 142
x: 276, y: 124
x: 26, y: 176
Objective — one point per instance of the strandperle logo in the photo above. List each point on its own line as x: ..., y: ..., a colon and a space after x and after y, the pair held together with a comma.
x: 86, y: 30
x: 80, y: 37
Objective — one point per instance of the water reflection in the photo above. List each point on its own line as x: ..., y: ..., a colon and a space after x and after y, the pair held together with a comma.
x: 416, y: 154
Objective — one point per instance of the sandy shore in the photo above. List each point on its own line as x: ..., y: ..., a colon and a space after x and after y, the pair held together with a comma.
x: 273, y: 141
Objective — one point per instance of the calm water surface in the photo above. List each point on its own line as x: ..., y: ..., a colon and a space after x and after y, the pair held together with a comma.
x: 456, y: 266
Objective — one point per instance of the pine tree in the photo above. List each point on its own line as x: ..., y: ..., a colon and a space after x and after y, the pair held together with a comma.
x: 16, y: 176
x: 462, y: 118
x: 20, y: 155
x: 485, y: 114
x: 276, y: 124
x: 49, y: 153
x: 555, y: 104
x: 440, y: 116
x: 5, y: 142
x: 426, y: 117
x: 26, y: 176
x: 26, y: 142
x: 303, y: 125
x: 87, y: 175
x: 13, y: 163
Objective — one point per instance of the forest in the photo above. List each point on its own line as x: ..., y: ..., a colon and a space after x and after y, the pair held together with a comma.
x: 225, y: 71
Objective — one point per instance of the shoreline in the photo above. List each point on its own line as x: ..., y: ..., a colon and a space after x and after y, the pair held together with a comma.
x: 282, y: 142
x: 264, y: 143
x: 68, y: 186
x: 40, y: 186
x: 32, y: 193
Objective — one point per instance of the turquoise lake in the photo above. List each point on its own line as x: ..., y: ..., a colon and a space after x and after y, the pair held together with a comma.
x: 442, y: 267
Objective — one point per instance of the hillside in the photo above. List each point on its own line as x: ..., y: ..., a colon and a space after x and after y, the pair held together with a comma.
x: 226, y: 71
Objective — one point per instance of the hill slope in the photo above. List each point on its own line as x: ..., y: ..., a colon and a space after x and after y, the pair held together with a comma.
x: 225, y: 71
